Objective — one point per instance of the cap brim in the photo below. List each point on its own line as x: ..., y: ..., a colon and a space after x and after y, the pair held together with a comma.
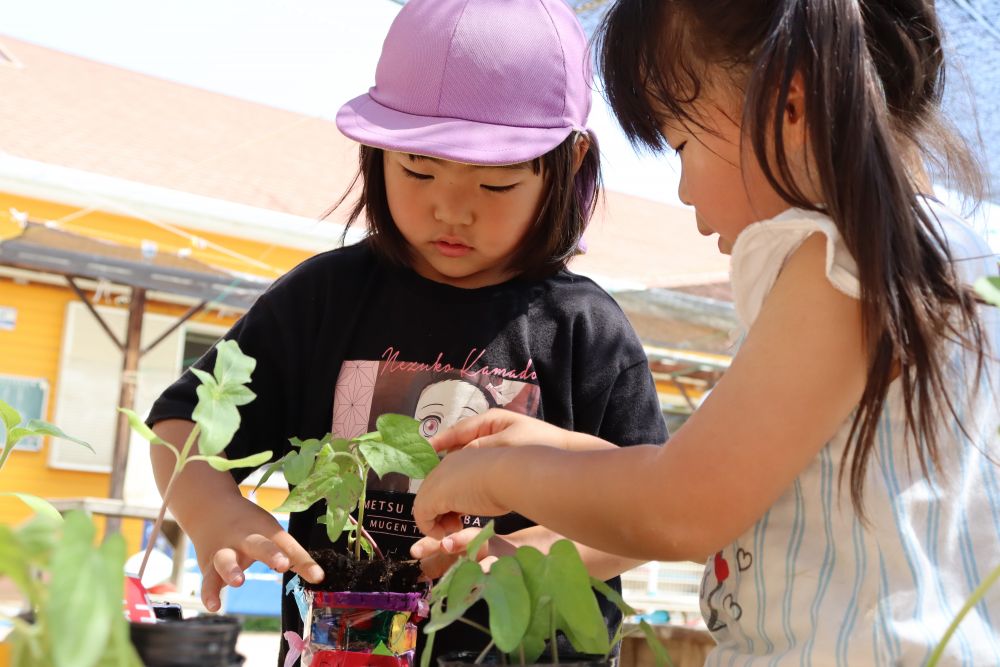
x: 368, y: 122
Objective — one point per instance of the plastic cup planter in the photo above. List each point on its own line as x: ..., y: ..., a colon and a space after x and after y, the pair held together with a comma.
x: 360, y: 629
x: 162, y: 638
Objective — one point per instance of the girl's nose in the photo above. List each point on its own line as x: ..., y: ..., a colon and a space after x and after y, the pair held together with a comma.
x: 451, y: 208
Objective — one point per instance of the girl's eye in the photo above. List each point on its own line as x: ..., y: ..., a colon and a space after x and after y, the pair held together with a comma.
x: 417, y: 175
x: 499, y: 188
x: 430, y: 426
x: 680, y: 148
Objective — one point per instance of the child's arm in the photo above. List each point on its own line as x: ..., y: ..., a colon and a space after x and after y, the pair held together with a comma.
x: 505, y: 428
x: 436, y: 556
x: 228, y: 531
x: 798, y: 375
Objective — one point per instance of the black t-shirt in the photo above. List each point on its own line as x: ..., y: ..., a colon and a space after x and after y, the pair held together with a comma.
x: 344, y: 337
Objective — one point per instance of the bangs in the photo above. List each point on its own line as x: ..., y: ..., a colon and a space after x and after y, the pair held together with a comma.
x: 652, y: 67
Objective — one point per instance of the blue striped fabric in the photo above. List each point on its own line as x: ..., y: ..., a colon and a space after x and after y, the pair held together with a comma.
x: 811, y: 584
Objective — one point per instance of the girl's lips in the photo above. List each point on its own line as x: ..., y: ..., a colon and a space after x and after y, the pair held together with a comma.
x: 449, y: 249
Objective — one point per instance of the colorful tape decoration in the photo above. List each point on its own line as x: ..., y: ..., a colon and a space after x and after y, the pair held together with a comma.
x: 348, y: 629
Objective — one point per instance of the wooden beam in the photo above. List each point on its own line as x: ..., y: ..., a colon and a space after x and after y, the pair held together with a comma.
x: 126, y: 399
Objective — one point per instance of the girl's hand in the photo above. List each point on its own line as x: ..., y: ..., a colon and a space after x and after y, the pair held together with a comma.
x: 504, y: 428
x: 436, y: 556
x: 235, y: 535
x: 462, y: 480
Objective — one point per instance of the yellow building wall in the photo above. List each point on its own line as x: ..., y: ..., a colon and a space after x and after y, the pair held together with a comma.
x: 32, y: 348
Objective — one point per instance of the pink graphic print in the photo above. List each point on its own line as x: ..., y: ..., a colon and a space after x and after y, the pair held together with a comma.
x: 352, y: 403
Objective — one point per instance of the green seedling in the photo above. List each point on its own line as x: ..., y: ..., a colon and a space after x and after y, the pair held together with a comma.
x: 216, y: 419
x: 531, y: 596
x: 336, y: 470
x: 72, y: 586
x: 13, y: 432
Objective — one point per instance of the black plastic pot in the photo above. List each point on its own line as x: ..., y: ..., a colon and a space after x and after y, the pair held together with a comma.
x: 203, y: 641
x: 466, y: 658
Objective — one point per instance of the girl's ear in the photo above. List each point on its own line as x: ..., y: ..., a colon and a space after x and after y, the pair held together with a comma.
x: 795, y: 112
x: 581, y: 145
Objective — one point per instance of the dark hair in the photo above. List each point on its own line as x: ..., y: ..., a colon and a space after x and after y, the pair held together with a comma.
x: 873, y: 77
x: 551, y: 241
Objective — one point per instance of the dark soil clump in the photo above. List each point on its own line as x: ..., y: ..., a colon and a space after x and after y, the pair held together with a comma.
x: 343, y: 573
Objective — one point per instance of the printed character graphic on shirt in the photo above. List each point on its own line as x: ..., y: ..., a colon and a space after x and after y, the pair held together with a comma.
x: 727, y: 606
x: 443, y: 404
x: 439, y: 394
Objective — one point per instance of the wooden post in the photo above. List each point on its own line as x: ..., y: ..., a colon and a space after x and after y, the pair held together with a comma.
x: 126, y: 399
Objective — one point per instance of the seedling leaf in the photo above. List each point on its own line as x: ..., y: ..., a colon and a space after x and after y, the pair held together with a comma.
x: 222, y: 464
x: 580, y: 617
x: 472, y: 550
x: 315, y: 488
x: 79, y: 616
x: 232, y: 367
x: 534, y: 568
x: 989, y: 288
x: 219, y: 420
x: 40, y: 506
x: 402, y: 449
x: 271, y: 469
x: 139, y: 426
x: 509, y: 603
x: 9, y: 415
x: 464, y: 590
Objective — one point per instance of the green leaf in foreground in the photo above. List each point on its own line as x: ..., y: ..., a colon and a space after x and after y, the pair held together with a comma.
x: 222, y: 464
x: 509, y: 603
x: 40, y: 506
x: 579, y: 614
x: 464, y: 588
x: 76, y: 609
x: 989, y: 288
x: 402, y: 448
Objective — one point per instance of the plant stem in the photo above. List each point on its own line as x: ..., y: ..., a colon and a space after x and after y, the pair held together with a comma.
x: 155, y: 533
x: 361, y: 513
x: 178, y: 467
x: 475, y: 625
x: 482, y: 656
x: 973, y: 600
x: 554, y: 642
x: 371, y: 540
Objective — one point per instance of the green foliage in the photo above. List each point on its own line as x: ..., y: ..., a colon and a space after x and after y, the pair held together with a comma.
x: 14, y: 431
x: 989, y: 289
x: 74, y: 588
x: 530, y: 596
x: 336, y: 470
x: 216, y: 418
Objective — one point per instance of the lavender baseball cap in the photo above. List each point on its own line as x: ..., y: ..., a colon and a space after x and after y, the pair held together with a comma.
x: 487, y: 82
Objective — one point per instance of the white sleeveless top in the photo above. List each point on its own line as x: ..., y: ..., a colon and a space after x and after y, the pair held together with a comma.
x: 808, y: 584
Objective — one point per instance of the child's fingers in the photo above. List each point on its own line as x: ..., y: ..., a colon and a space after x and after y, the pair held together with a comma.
x: 441, y: 526
x: 435, y: 566
x: 260, y: 548
x: 211, y: 587
x: 473, y: 428
x: 226, y: 564
x: 425, y: 547
x: 299, y: 560
x: 456, y: 543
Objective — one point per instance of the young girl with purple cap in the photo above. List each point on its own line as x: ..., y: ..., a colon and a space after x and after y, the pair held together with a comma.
x: 478, y: 177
